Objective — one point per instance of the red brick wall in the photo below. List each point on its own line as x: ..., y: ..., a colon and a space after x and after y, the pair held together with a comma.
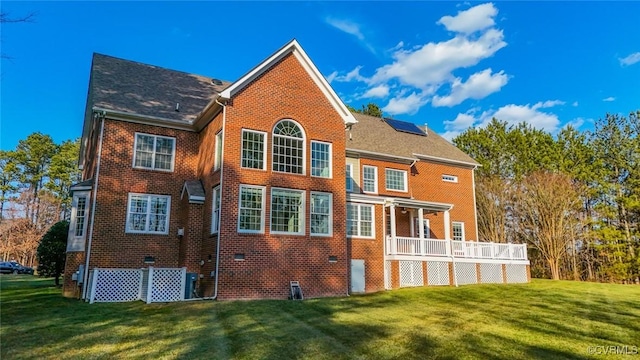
x: 371, y: 251
x: 111, y: 246
x: 74, y: 260
x: 271, y: 261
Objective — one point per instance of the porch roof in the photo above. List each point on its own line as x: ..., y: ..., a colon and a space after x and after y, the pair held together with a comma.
x: 417, y: 204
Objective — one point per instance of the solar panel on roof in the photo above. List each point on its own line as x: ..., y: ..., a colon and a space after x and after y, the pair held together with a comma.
x: 404, y: 126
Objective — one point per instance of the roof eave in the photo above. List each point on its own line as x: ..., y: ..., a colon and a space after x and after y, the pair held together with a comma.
x: 186, y: 125
x: 447, y: 161
x: 380, y: 156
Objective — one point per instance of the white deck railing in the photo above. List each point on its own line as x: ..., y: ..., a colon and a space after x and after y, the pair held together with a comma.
x: 459, y: 249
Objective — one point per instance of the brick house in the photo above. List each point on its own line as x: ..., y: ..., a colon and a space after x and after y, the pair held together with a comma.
x: 267, y: 180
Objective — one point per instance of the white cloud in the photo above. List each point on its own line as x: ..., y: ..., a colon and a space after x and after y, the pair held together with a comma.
x: 575, y: 104
x: 468, y: 21
x: 630, y: 60
x: 433, y: 63
x: 609, y: 99
x: 380, y: 91
x: 512, y: 114
x: 575, y: 123
x: 478, y: 86
x: 351, y: 28
x: 346, y: 26
x: 350, y: 76
x: 405, y: 105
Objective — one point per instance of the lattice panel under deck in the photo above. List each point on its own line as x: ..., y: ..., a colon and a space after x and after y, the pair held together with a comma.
x: 387, y: 275
x: 466, y: 273
x: 438, y: 273
x: 167, y: 285
x: 411, y: 273
x: 491, y: 273
x: 516, y: 273
x: 117, y: 285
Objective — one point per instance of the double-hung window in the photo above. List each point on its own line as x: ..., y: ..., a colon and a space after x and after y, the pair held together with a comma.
x: 251, y: 209
x: 287, y: 211
x: 396, y: 180
x: 217, y: 162
x: 369, y: 179
x: 253, y: 149
x: 148, y: 214
x: 78, y: 224
x: 458, y: 230
x: 154, y: 152
x: 349, y: 177
x: 360, y: 220
x: 215, y: 210
x: 321, y: 159
x: 288, y: 147
x: 321, y: 214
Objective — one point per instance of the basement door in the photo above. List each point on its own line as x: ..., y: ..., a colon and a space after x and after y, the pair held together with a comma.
x: 357, y: 276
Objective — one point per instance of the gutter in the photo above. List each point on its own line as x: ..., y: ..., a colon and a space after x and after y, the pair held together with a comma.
x: 224, y: 123
x: 85, y: 276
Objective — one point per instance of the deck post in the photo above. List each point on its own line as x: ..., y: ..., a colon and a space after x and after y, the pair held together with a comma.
x: 394, y: 244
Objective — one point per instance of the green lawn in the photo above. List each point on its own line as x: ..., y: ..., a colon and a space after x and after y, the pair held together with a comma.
x: 544, y: 319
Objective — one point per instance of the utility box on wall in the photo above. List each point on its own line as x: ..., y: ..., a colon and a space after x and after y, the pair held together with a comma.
x: 190, y: 286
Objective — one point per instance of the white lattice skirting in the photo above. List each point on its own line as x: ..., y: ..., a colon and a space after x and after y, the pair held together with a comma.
x: 438, y: 273
x: 411, y: 273
x: 516, y: 273
x: 491, y: 274
x: 466, y: 273
x: 149, y: 285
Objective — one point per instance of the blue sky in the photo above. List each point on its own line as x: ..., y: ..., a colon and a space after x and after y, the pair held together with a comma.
x: 448, y: 64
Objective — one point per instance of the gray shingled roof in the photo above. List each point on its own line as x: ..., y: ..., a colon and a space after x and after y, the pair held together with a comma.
x: 136, y: 88
x: 374, y: 135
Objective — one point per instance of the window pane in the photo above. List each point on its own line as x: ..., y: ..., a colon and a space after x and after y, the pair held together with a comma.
x: 288, y: 148
x: 286, y: 211
x: 369, y: 179
x: 252, y: 150
x: 348, y: 178
x: 320, y: 213
x: 250, y: 214
x: 154, y: 152
x: 395, y: 179
x: 320, y: 159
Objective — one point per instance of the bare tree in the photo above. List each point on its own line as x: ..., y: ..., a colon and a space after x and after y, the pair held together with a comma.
x: 494, y: 201
x: 547, y: 210
x: 6, y: 18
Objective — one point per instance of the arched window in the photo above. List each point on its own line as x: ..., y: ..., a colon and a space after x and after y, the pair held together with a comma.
x: 288, y: 147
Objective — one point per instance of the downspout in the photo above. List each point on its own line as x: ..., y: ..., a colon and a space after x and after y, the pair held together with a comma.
x: 85, y: 276
x: 475, y: 207
x: 224, y: 122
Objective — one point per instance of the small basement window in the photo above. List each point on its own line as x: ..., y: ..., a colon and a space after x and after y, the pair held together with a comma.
x: 450, y: 178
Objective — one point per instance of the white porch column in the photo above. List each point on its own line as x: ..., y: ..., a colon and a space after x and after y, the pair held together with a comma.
x: 394, y: 243
x: 447, y: 225
x: 421, y: 223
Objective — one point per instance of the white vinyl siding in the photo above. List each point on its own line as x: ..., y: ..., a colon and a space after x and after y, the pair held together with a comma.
x: 154, y: 152
x: 321, y: 214
x: 287, y: 211
x: 396, y: 180
x: 369, y: 179
x: 215, y: 209
x: 360, y: 221
x: 251, y: 209
x: 253, y: 150
x: 148, y: 214
x: 321, y: 159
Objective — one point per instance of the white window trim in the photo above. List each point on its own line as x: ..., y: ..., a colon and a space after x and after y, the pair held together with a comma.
x: 76, y: 243
x: 375, y: 179
x: 449, y: 178
x: 416, y: 227
x: 405, y: 181
x: 461, y: 226
x: 217, y: 158
x: 215, y: 216
x: 349, y: 170
x: 304, y: 147
x: 265, y: 149
x: 330, y: 159
x: 263, y: 209
x: 373, y: 221
x: 126, y: 225
x: 153, y: 158
x: 330, y: 214
x: 302, y: 213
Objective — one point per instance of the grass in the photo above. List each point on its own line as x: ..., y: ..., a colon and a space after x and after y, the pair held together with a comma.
x: 544, y: 319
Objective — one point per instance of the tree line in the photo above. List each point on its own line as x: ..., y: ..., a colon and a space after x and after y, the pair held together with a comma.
x: 35, y: 179
x: 573, y: 197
